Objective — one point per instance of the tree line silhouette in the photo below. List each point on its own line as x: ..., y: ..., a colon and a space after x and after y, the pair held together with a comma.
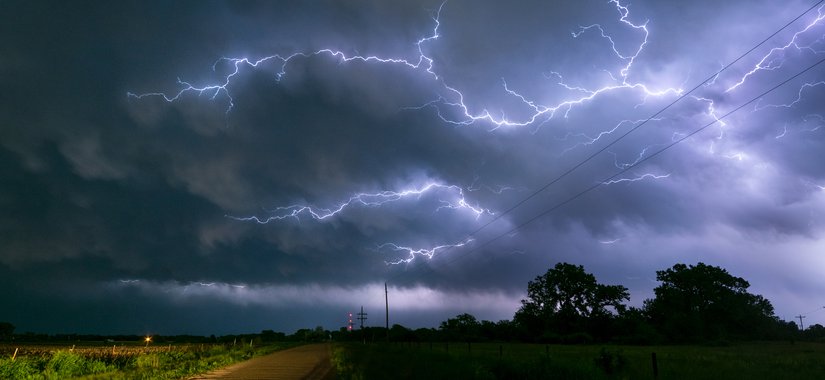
x: 692, y: 304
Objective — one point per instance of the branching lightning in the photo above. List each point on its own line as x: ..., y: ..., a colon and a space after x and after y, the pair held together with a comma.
x: 449, y: 197
x: 625, y: 165
x: 223, y: 88
x: 775, y: 58
x: 712, y: 113
x: 588, y: 140
x: 544, y: 113
x: 452, y: 98
x: 414, y: 252
x: 636, y: 179
x: 798, y: 99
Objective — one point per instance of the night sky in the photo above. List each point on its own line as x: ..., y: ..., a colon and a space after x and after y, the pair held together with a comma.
x: 223, y: 167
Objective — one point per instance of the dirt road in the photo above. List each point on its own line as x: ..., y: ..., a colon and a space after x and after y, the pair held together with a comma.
x: 310, y: 362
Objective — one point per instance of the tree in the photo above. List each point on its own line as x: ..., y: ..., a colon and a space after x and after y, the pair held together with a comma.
x: 704, y: 302
x: 815, y: 332
x: 567, y: 299
x: 6, y: 331
x: 462, y: 327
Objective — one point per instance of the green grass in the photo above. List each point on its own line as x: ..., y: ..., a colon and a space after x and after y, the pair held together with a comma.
x: 59, y: 365
x: 175, y: 363
x: 772, y: 360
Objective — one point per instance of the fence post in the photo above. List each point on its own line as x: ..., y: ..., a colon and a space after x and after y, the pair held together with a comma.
x: 500, y: 351
x: 655, y: 365
x: 468, y: 347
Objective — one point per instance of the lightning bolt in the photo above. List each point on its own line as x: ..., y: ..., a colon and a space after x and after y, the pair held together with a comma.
x: 625, y: 165
x: 784, y: 132
x: 452, y: 98
x: 736, y: 156
x: 775, y: 58
x: 815, y: 185
x: 414, y: 252
x: 798, y: 99
x: 186, y: 285
x: 712, y: 113
x: 819, y: 117
x: 805, y: 119
x: 592, y: 140
x: 457, y: 201
x: 624, y: 12
x: 544, y: 113
x: 498, y: 189
x: 282, y: 61
x: 636, y: 179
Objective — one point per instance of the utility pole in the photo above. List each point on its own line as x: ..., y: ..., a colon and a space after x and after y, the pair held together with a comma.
x: 801, y: 326
x: 387, y: 305
x: 362, y: 316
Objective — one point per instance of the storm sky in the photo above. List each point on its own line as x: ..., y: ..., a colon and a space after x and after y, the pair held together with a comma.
x: 223, y: 167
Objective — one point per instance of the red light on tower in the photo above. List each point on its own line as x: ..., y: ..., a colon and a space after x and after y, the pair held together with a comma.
x: 349, y: 322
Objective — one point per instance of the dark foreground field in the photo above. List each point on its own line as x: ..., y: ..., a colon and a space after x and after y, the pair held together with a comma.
x: 770, y: 360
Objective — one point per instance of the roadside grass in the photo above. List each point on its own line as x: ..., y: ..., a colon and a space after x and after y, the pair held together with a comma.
x: 90, y: 363
x: 770, y: 360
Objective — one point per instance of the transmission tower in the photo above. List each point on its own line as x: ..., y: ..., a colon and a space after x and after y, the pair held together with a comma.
x: 362, y: 316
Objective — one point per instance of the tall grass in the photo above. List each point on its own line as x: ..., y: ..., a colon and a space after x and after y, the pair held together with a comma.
x: 94, y: 364
x: 60, y: 365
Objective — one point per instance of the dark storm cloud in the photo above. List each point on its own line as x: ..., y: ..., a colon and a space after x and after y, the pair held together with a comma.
x: 125, y: 204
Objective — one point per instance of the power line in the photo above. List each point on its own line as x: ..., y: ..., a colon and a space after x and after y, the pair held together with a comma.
x: 610, y: 144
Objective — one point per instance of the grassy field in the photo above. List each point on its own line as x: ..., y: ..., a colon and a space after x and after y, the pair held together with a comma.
x: 99, y: 361
x: 770, y: 360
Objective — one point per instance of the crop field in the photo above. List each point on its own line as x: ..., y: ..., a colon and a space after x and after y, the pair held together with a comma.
x: 100, y: 360
x: 771, y: 360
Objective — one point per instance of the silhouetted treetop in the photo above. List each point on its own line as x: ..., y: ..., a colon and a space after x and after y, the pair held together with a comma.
x: 706, y: 302
x: 566, y: 301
